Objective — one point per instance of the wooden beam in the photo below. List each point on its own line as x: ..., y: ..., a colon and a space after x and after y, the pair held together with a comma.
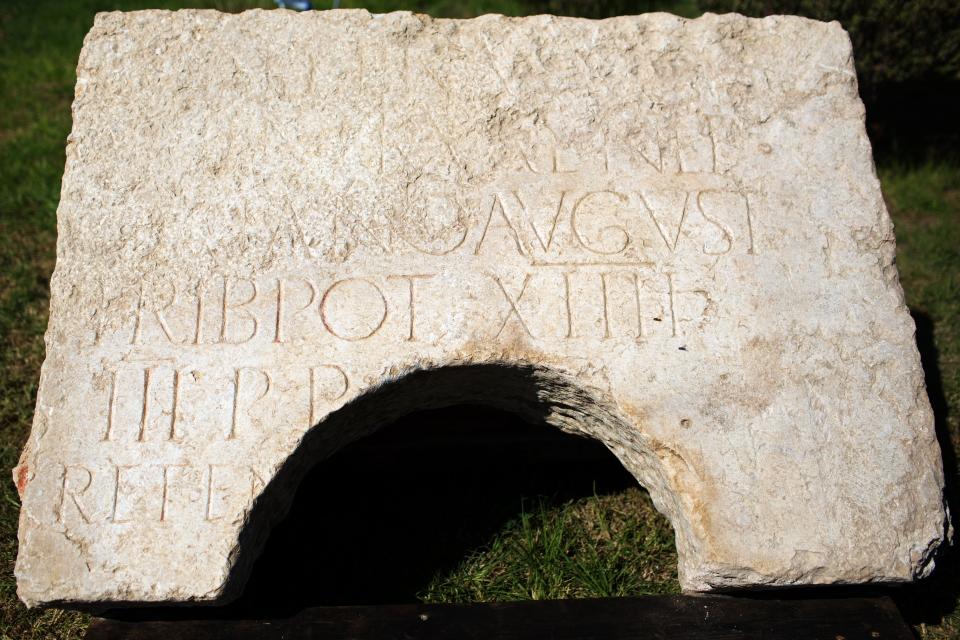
x: 652, y: 617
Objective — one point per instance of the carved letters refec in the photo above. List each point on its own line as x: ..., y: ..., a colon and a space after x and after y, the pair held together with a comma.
x: 118, y: 494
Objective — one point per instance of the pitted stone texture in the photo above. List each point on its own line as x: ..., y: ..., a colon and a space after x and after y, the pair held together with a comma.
x: 278, y: 231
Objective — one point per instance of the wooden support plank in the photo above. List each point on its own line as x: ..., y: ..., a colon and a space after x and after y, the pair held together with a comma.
x: 653, y: 617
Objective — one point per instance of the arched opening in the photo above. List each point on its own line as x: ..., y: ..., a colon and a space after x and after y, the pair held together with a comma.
x: 526, y: 442
x: 460, y: 504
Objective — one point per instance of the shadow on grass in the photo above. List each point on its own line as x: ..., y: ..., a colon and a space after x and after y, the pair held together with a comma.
x: 899, y: 137
x: 374, y: 523
x: 928, y: 601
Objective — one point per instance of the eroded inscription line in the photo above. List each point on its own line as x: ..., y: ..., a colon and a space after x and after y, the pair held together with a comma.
x: 206, y: 513
x: 198, y: 329
x: 161, y: 320
x: 566, y: 301
x: 636, y: 299
x: 172, y: 435
x: 673, y: 314
x: 594, y: 263
x: 227, y: 307
x: 145, y: 410
x: 278, y: 337
x: 112, y: 408
x: 606, y: 313
x: 73, y: 494
x: 279, y: 333
x: 513, y: 304
x: 118, y: 477
x: 411, y: 336
x: 314, y: 415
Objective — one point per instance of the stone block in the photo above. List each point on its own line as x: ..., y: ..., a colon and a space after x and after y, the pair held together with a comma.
x: 280, y: 231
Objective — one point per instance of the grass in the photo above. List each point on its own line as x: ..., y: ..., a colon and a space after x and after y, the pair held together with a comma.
x: 925, y: 204
x: 602, y: 546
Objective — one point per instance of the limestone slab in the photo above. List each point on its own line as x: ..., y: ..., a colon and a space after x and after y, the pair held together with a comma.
x: 280, y: 231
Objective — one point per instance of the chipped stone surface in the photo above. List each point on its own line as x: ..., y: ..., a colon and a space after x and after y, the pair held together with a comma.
x: 278, y: 231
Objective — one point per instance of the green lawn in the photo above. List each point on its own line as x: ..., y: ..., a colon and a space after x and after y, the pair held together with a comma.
x: 606, y: 545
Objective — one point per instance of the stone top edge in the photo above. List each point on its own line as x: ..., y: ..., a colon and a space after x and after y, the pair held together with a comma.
x: 656, y: 16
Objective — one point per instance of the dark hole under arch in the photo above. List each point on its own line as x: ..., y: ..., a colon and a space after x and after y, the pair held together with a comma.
x: 375, y: 522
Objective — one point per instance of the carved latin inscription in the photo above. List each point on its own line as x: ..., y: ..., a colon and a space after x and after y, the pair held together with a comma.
x: 116, y: 494
x: 154, y: 402
x: 598, y: 300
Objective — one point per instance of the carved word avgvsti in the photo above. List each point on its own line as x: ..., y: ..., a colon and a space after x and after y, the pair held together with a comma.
x: 546, y: 219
